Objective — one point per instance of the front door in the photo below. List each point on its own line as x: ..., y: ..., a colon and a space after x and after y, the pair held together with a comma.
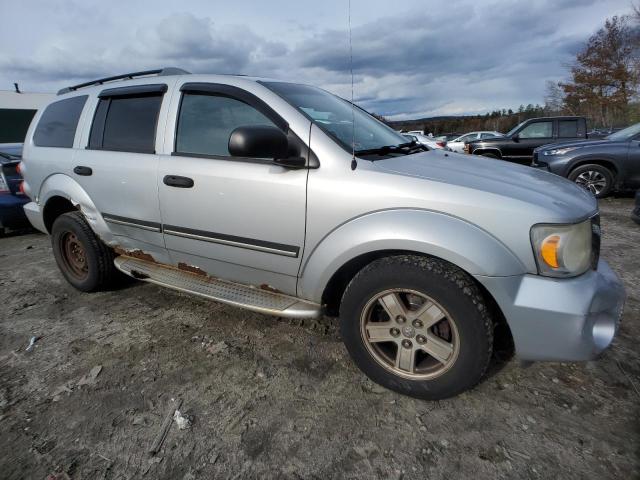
x: 237, y: 218
x: 530, y: 137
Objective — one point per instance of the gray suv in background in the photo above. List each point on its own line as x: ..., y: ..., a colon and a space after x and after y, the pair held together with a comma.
x: 285, y: 199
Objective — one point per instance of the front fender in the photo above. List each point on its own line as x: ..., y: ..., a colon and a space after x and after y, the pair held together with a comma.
x: 60, y: 185
x: 431, y: 233
x: 594, y: 157
x: 493, y: 150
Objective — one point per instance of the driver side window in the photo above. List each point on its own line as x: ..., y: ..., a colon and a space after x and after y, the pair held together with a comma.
x: 537, y: 130
x: 205, y: 123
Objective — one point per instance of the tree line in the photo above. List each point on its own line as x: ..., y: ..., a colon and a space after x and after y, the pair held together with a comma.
x: 602, y: 85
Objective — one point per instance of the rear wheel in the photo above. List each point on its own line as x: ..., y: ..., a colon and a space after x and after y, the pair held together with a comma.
x: 490, y: 155
x: 417, y: 325
x: 595, y: 178
x: 84, y: 260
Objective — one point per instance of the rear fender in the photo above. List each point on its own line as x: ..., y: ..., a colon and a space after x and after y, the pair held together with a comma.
x: 60, y: 185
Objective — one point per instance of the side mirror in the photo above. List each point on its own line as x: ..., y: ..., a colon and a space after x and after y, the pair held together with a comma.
x: 258, y: 141
x: 516, y: 138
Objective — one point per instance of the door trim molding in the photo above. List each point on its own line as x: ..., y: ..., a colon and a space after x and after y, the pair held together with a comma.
x: 132, y: 222
x: 221, y: 238
x: 233, y: 241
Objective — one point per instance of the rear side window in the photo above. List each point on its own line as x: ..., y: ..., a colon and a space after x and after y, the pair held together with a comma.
x: 568, y: 128
x: 205, y: 123
x: 58, y: 123
x: 126, y: 123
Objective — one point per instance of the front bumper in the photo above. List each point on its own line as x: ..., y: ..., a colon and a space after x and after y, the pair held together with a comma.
x: 11, y: 213
x: 569, y: 319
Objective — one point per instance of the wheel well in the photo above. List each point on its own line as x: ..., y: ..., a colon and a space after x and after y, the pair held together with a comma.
x: 493, y: 151
x: 603, y: 163
x: 332, y: 295
x: 55, y: 207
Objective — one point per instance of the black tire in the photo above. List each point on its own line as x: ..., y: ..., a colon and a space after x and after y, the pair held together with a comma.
x: 98, y: 270
x: 489, y: 155
x: 598, y: 173
x: 446, y: 285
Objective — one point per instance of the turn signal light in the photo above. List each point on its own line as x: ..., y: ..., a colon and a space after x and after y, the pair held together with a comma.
x: 549, y: 250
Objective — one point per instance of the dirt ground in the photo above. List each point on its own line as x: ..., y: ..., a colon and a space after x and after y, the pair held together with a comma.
x: 273, y: 398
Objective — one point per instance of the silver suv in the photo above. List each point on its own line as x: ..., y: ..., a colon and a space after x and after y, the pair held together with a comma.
x: 284, y: 199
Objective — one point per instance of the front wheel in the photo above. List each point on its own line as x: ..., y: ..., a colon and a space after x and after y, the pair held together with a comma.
x: 417, y: 325
x: 595, y: 178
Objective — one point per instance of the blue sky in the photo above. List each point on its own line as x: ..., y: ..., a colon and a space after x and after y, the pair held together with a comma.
x: 410, y: 58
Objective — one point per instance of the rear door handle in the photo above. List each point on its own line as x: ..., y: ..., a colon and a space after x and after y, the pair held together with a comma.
x: 80, y: 170
x: 178, y: 181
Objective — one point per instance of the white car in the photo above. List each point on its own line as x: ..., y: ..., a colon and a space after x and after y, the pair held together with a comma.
x: 428, y: 141
x: 457, y: 144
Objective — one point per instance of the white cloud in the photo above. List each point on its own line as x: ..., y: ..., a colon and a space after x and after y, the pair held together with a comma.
x: 454, y: 57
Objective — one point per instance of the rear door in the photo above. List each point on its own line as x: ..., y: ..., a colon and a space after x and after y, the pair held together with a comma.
x: 241, y: 219
x: 570, y: 129
x: 119, y: 165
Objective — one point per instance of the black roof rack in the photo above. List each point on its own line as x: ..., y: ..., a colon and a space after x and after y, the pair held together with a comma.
x: 159, y: 72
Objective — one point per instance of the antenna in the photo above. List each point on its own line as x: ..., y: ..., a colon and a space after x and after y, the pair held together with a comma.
x: 354, y: 163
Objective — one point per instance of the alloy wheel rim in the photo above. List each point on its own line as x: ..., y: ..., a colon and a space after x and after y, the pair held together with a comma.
x: 74, y: 255
x: 409, y: 334
x: 592, y: 180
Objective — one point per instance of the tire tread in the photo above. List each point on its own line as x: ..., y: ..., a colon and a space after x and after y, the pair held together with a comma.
x: 450, y: 273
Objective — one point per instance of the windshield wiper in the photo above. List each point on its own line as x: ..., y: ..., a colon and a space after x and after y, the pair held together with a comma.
x: 405, y: 148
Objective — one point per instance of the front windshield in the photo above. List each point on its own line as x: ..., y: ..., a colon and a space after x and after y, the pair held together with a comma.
x: 336, y: 117
x: 513, y: 130
x: 626, y: 133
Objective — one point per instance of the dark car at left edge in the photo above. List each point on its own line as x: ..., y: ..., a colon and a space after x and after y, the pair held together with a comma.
x: 12, y: 198
x: 601, y: 166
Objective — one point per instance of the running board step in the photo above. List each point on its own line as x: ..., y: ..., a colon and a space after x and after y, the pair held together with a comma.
x: 223, y: 291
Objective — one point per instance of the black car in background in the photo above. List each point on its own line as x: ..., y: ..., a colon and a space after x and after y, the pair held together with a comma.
x: 518, y: 145
x: 12, y: 198
x: 600, y: 166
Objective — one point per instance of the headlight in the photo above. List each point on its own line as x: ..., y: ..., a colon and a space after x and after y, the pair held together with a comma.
x: 558, y: 151
x: 562, y: 250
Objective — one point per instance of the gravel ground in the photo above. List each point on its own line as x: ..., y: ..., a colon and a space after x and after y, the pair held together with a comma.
x: 274, y: 398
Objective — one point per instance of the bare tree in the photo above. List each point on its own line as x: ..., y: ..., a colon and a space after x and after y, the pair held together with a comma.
x: 553, y: 98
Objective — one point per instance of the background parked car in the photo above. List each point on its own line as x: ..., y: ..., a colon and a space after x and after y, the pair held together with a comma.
x: 457, y: 144
x: 518, y: 145
x: 429, y: 141
x: 598, y: 133
x: 12, y: 199
x: 601, y: 166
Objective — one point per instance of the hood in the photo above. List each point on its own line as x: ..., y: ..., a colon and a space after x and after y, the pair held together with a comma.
x: 507, y: 183
x: 578, y: 143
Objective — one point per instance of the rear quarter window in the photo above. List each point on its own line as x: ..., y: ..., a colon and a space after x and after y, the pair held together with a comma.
x: 58, y: 123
